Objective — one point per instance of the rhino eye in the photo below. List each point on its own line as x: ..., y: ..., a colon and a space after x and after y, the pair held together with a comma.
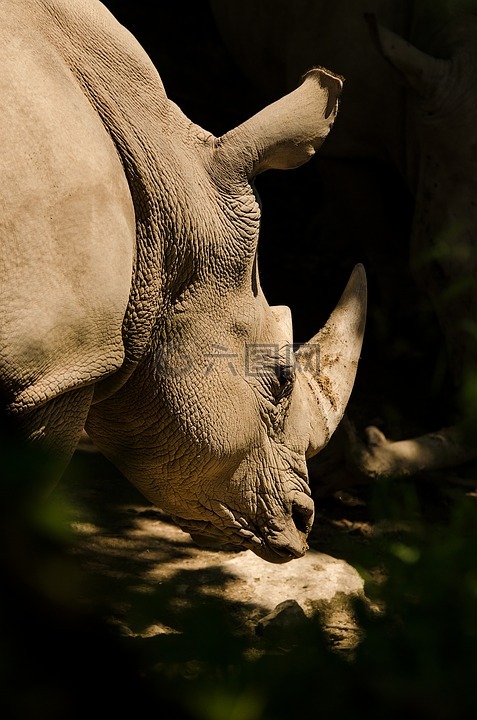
x: 283, y: 381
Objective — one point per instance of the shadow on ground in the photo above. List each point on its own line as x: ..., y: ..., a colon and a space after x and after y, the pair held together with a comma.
x: 105, y: 603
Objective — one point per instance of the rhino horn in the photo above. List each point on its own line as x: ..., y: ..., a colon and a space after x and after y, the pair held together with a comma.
x: 424, y: 73
x: 283, y: 316
x: 329, y: 360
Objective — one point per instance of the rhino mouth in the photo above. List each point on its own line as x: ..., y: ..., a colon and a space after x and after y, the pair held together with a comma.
x: 277, y: 547
x: 262, y: 549
x: 207, y: 534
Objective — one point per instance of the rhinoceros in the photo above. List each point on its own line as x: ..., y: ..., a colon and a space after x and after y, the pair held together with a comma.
x: 130, y: 297
x: 411, y: 109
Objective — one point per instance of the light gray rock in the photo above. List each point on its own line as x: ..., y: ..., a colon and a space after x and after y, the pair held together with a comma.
x: 312, y: 580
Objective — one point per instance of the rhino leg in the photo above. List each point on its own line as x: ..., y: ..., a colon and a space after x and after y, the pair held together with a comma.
x: 38, y: 445
x: 376, y: 456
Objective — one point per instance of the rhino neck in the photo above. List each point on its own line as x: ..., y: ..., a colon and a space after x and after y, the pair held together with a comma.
x: 148, y: 131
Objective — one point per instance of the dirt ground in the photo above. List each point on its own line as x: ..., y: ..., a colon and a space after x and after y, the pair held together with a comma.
x: 146, y: 570
x: 139, y: 560
x: 116, y: 606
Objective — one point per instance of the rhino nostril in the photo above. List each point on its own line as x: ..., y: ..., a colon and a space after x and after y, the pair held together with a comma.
x: 290, y: 540
x: 302, y: 516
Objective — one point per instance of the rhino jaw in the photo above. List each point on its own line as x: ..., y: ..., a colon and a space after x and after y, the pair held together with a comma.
x: 278, y: 539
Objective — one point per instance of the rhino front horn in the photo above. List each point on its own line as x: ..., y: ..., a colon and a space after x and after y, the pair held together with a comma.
x: 330, y: 359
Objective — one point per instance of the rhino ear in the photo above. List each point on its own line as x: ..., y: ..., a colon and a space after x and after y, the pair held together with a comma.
x: 422, y: 72
x: 286, y: 133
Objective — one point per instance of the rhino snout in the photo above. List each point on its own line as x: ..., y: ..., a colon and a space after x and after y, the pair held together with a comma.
x: 290, y: 542
x: 303, y: 512
x: 280, y: 540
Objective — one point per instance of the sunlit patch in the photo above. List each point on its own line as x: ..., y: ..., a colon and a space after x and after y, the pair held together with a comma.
x: 85, y: 528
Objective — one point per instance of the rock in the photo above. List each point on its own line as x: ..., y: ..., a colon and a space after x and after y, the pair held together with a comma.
x: 293, y: 593
x: 312, y: 580
x: 285, y: 622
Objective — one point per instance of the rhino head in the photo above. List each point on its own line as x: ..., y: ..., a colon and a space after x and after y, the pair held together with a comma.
x: 220, y: 414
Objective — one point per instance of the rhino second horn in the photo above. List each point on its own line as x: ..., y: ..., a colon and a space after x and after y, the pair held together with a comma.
x: 283, y: 316
x: 329, y: 360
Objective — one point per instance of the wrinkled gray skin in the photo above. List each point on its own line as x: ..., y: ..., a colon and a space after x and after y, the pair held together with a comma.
x: 130, y: 297
x: 413, y: 108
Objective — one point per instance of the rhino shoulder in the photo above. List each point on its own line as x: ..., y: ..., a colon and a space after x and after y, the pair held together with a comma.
x: 67, y: 229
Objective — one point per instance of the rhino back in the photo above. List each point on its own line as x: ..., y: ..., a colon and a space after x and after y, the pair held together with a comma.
x: 157, y: 144
x: 66, y: 224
